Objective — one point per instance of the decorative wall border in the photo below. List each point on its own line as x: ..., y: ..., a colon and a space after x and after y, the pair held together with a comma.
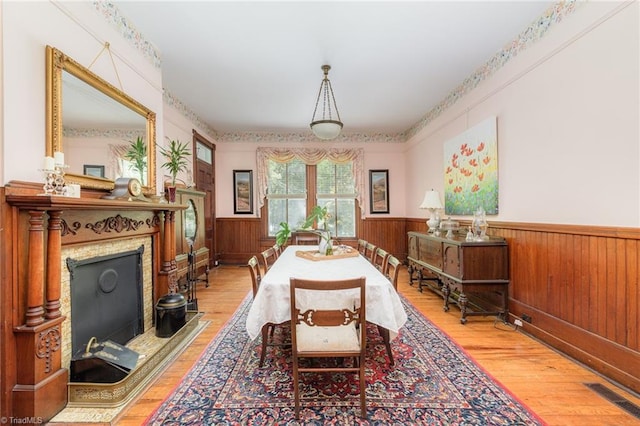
x: 534, y: 32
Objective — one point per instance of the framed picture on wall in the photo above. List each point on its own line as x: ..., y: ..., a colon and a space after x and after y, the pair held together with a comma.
x: 379, y: 191
x: 93, y: 170
x: 243, y: 191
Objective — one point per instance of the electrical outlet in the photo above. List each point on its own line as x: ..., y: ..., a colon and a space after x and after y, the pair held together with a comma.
x: 517, y: 322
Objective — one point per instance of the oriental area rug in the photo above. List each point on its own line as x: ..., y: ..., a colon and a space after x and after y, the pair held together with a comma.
x: 433, y: 382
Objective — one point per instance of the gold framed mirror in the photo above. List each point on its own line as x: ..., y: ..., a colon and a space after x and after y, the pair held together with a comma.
x: 94, y: 123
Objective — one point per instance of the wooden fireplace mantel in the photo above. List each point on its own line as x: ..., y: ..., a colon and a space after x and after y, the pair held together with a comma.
x: 40, y: 226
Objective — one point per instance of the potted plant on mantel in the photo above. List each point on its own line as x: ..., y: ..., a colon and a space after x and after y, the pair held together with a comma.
x: 176, y: 155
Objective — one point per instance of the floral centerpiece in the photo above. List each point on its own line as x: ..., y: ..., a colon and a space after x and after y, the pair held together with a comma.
x: 320, y: 215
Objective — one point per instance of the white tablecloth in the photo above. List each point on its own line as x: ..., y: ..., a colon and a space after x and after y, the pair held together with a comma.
x: 272, y: 302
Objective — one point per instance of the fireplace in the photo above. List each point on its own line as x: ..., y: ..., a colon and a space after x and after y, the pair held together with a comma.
x: 106, y: 298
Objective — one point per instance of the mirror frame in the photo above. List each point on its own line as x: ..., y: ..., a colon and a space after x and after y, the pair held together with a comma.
x: 56, y: 63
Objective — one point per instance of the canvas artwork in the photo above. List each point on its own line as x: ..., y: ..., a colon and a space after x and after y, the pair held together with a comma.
x: 471, y: 170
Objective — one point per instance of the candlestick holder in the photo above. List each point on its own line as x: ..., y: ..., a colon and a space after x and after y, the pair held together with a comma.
x: 54, y: 183
x: 49, y: 181
x: 60, y: 188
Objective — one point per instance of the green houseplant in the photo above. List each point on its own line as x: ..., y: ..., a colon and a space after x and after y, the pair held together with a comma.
x: 320, y: 215
x: 137, y: 155
x: 283, y: 234
x: 176, y: 160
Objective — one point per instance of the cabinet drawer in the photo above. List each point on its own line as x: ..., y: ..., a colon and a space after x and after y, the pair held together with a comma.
x: 431, y: 252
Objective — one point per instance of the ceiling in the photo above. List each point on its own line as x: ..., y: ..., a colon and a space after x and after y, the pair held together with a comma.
x: 256, y: 66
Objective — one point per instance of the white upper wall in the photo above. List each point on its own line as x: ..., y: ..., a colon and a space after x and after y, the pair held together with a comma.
x: 568, y: 125
x: 79, y: 31
x: 567, y: 107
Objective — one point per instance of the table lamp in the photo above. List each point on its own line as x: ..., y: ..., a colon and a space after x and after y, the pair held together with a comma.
x: 432, y: 203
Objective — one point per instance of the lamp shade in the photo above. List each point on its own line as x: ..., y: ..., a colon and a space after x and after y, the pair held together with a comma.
x: 326, y: 129
x: 431, y: 200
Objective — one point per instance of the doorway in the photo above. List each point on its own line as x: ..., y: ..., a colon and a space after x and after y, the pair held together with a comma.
x: 205, y: 176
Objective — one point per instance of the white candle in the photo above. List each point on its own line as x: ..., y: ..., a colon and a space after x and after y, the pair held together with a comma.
x: 49, y: 163
x: 59, y: 158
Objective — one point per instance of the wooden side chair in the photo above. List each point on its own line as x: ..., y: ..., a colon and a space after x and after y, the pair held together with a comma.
x: 319, y: 331
x: 305, y: 238
x: 370, y: 251
x: 268, y: 329
x: 392, y: 270
x: 269, y: 257
x: 278, y: 249
x: 380, y: 259
x: 362, y: 245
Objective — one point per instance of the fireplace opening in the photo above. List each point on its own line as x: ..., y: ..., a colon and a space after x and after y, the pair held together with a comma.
x: 106, y: 298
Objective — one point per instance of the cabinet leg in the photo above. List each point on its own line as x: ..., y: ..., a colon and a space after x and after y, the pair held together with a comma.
x: 420, y: 281
x: 410, y: 270
x: 462, y: 301
x: 445, y: 294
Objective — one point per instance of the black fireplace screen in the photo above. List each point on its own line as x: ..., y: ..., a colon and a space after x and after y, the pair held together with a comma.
x: 106, y: 298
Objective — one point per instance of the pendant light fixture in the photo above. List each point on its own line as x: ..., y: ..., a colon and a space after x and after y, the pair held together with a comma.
x: 327, y: 124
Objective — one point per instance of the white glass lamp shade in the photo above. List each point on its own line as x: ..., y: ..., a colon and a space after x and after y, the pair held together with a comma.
x: 432, y: 203
x: 431, y: 200
x: 326, y: 129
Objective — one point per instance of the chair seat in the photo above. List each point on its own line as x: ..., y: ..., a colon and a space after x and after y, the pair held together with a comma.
x: 328, y: 339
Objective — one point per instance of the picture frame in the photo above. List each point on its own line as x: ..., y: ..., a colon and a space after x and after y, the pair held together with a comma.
x: 93, y: 170
x: 243, y: 191
x: 379, y: 191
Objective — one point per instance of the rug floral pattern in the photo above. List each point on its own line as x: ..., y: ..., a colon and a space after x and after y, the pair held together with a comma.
x: 433, y: 382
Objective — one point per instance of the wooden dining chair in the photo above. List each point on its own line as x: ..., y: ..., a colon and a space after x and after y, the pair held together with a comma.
x: 278, y: 250
x: 380, y: 259
x: 370, y: 251
x: 305, y: 238
x: 321, y: 331
x: 362, y: 245
x: 269, y: 257
x: 268, y: 330
x: 392, y: 271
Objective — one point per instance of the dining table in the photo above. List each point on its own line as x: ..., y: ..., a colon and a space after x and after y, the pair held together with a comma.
x: 272, y: 302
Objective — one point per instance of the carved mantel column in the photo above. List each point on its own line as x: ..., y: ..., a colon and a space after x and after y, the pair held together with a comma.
x: 35, y: 311
x: 54, y: 242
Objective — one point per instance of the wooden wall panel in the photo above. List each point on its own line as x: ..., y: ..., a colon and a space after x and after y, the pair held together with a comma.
x: 237, y: 239
x: 579, y: 284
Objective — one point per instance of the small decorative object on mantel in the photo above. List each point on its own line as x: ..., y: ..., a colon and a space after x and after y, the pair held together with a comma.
x: 176, y: 161
x: 129, y: 189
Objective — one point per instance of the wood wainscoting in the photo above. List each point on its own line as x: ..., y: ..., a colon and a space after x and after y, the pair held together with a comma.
x: 579, y: 288
x: 241, y: 238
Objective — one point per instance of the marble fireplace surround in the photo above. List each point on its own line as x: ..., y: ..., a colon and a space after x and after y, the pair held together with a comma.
x: 50, y: 229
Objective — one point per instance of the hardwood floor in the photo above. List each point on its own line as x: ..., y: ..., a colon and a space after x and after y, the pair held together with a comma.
x: 547, y: 382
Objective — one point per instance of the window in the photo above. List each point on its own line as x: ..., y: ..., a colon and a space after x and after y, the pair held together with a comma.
x: 291, y: 195
x: 287, y: 194
x: 335, y: 188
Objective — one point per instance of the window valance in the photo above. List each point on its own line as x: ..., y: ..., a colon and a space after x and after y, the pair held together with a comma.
x: 310, y: 156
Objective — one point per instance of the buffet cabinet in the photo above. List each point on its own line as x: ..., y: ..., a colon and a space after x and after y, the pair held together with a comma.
x: 466, y: 271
